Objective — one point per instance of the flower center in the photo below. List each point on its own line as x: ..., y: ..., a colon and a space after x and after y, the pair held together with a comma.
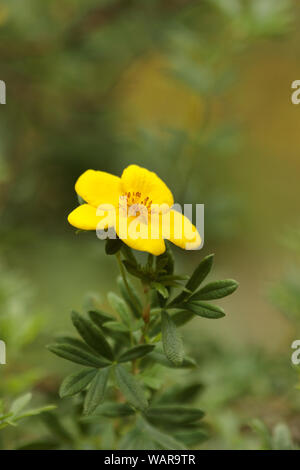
x: 137, y: 198
x: 135, y: 204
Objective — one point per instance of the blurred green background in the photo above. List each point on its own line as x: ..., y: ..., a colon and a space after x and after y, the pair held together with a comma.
x: 198, y: 91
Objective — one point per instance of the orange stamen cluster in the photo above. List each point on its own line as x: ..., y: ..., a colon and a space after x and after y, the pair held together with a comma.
x: 136, y: 198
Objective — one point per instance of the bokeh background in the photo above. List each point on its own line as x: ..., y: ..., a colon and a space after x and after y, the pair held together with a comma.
x: 200, y: 92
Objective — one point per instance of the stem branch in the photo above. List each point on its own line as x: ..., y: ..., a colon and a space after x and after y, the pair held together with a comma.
x: 123, y: 274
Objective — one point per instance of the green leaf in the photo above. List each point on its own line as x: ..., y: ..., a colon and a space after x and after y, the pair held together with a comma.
x: 120, y: 306
x: 182, y: 317
x: 200, y: 273
x: 92, y: 335
x: 172, y: 342
x: 131, y: 388
x: 35, y: 412
x: 116, y: 326
x: 98, y: 317
x: 192, y: 438
x: 40, y: 444
x: 136, y: 352
x: 181, y: 393
x: 113, y: 245
x: 196, y: 279
x: 162, y: 439
x: 131, y: 297
x: 114, y: 410
x: 134, y: 439
x: 77, y: 355
x: 204, y: 309
x: 156, y: 356
x: 19, y: 404
x: 12, y: 420
x: 78, y: 343
x: 176, y: 284
x: 175, y: 414
x: 128, y: 253
x: 75, y: 383
x: 215, y: 290
x: 150, y: 261
x: 96, y: 391
x: 5, y: 416
x: 163, y: 291
x: 165, y: 261
x: 137, y: 325
x: 120, y: 335
x: 154, y: 299
x: 132, y: 268
x: 173, y: 277
x: 154, y: 383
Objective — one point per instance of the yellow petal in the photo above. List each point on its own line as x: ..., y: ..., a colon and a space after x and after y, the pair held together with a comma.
x: 155, y: 247
x: 135, y: 179
x: 99, y: 187
x: 137, y: 235
x: 85, y: 217
x: 181, y: 231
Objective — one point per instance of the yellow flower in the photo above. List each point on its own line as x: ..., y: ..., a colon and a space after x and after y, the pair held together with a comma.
x: 138, y: 207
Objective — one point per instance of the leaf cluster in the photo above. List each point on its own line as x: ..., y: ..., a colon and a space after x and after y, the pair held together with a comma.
x: 119, y: 351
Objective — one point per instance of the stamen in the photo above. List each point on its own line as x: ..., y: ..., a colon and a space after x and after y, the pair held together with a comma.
x: 135, y: 198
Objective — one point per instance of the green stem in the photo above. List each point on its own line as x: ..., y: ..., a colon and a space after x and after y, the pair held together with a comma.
x: 123, y: 274
x: 146, y: 313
